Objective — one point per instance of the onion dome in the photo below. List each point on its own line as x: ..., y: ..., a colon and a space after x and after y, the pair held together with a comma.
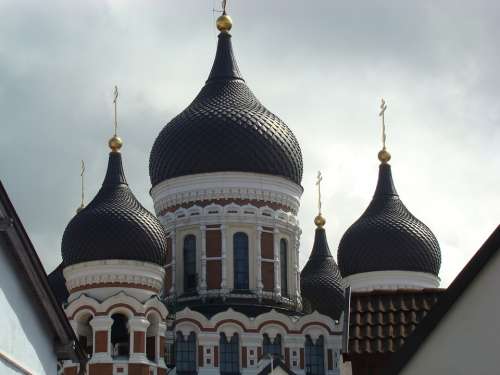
x: 114, y: 225
x: 387, y: 237
x: 225, y: 128
x: 58, y: 284
x: 320, y: 280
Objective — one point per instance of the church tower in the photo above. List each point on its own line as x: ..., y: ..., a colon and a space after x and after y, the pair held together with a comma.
x: 226, y: 184
x: 114, y: 253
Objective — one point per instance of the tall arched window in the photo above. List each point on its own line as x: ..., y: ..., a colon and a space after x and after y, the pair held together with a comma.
x: 120, y: 337
x: 189, y: 263
x: 185, y: 354
x: 284, y: 267
x: 273, y: 348
x: 315, y: 356
x: 229, y: 355
x: 240, y: 258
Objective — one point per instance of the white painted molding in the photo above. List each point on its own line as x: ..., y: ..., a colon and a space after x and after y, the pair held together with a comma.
x: 226, y: 185
x: 391, y: 280
x: 130, y: 272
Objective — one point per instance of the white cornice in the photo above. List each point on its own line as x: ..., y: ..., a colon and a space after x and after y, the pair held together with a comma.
x: 391, y: 280
x: 226, y: 185
x: 129, y: 272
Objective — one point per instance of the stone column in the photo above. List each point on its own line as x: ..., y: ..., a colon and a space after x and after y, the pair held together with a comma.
x: 258, y: 241
x: 101, y: 332
x: 160, y: 344
x: 137, y: 327
x: 173, y: 267
x: 223, y: 259
x: 203, y: 278
x: 277, y: 268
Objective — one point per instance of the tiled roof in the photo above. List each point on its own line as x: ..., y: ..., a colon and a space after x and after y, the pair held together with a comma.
x: 380, y: 321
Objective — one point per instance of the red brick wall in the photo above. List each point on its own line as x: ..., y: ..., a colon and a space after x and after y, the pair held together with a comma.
x: 214, y: 243
x: 301, y: 359
x: 70, y: 371
x: 268, y: 275
x: 216, y: 356
x: 267, y: 245
x: 330, y: 359
x: 101, y: 369
x: 201, y: 361
x: 139, y: 342
x: 287, y: 357
x: 214, y: 274
x: 244, y: 357
x: 138, y: 369
x: 101, y: 341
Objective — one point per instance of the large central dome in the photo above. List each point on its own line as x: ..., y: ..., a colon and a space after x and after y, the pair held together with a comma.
x: 225, y: 129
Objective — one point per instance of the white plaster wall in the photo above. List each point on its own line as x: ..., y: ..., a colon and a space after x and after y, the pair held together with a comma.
x: 467, y: 340
x: 25, y: 336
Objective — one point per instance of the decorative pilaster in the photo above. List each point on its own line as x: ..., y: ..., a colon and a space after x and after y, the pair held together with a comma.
x: 296, y: 264
x: 258, y: 241
x: 137, y: 327
x: 277, y: 268
x: 101, y: 329
x: 223, y: 260
x: 203, y: 278
x: 173, y: 267
x: 159, y: 344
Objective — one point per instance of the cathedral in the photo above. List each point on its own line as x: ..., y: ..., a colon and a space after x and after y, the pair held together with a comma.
x: 210, y: 283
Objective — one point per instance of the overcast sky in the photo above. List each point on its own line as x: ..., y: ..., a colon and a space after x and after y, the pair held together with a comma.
x: 321, y: 66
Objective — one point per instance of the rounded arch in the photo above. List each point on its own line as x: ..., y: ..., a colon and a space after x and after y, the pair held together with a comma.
x: 120, y: 333
x: 122, y: 309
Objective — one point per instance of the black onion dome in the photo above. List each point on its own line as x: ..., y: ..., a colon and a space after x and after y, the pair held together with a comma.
x: 58, y: 284
x: 387, y: 237
x: 225, y: 128
x: 114, y: 225
x: 320, y: 280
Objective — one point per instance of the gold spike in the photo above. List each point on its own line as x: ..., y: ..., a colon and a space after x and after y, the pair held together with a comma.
x: 384, y: 156
x: 224, y: 22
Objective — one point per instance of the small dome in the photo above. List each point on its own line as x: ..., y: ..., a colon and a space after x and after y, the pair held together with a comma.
x: 114, y: 225
x: 387, y: 237
x: 320, y: 280
x: 225, y: 129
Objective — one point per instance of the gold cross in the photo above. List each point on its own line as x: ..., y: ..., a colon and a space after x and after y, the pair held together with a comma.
x: 115, y: 102
x: 318, y: 183
x: 82, y: 205
x: 383, y: 107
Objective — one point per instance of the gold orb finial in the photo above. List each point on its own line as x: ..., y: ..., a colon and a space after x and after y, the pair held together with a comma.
x: 115, y: 143
x: 224, y: 23
x: 319, y: 221
x: 384, y: 156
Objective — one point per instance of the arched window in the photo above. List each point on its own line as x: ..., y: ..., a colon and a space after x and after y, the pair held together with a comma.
x: 284, y: 267
x: 272, y: 347
x: 84, y: 332
x: 120, y: 337
x: 229, y: 355
x: 185, y: 354
x: 315, y: 356
x: 189, y: 263
x: 151, y: 334
x: 240, y: 246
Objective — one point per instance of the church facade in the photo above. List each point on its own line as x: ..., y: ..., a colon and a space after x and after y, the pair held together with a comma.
x: 211, y: 283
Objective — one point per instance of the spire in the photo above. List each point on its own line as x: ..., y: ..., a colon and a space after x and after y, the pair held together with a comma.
x: 225, y: 66
x: 320, y: 248
x: 385, y: 184
x: 114, y: 175
x: 384, y: 156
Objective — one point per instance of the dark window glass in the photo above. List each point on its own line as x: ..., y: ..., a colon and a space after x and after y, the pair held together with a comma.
x: 315, y: 356
x: 284, y: 267
x: 185, y: 354
x: 119, y: 336
x: 272, y: 348
x: 189, y: 263
x: 229, y: 355
x: 240, y: 246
